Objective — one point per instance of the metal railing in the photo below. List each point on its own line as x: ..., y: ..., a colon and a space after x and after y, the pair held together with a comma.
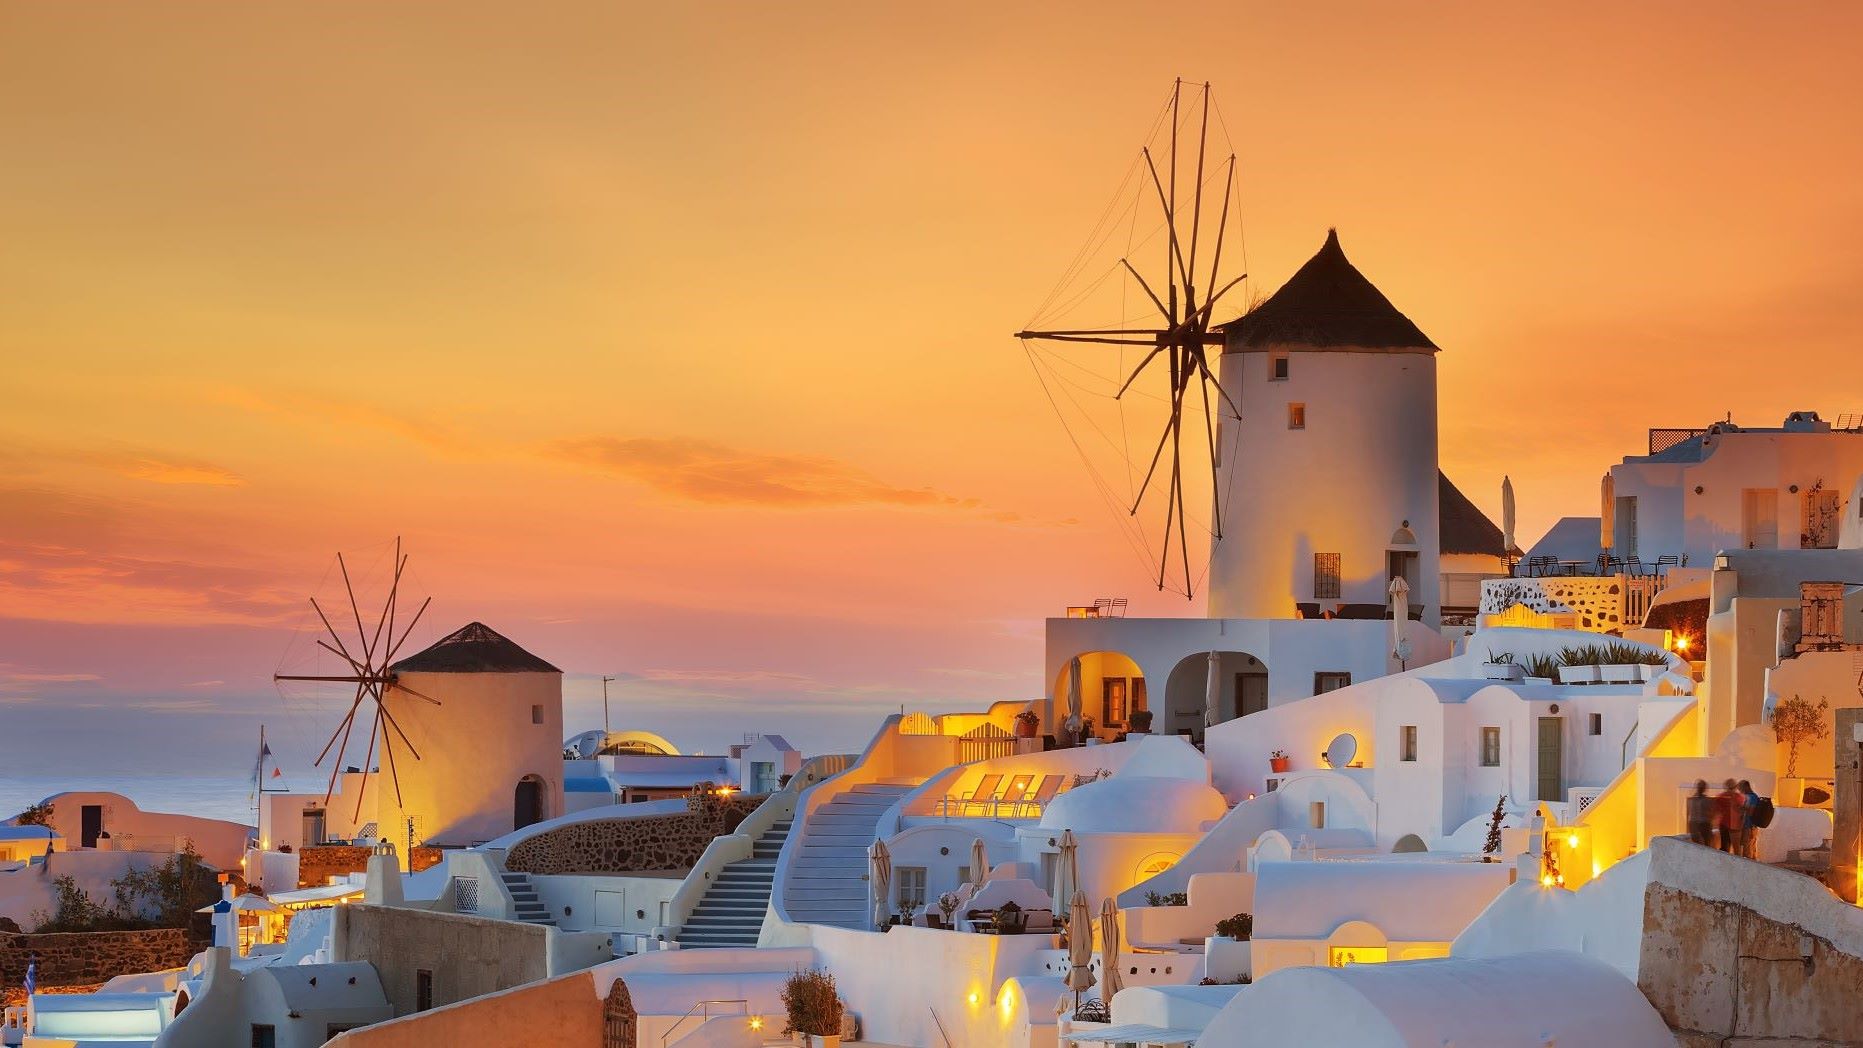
x: 703, y: 1010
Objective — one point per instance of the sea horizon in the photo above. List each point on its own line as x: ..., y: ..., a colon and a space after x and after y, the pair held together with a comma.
x: 206, y: 796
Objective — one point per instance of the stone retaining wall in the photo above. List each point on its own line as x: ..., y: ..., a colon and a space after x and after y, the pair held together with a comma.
x: 319, y: 863
x: 67, y: 958
x: 649, y: 843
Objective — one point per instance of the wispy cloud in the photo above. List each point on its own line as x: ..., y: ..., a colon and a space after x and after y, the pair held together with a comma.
x: 160, y: 469
x: 323, y: 412
x: 716, y: 474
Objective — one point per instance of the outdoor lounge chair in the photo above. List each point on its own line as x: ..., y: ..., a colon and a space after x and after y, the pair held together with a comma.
x: 1014, y: 794
x: 1038, y: 799
x: 984, y: 792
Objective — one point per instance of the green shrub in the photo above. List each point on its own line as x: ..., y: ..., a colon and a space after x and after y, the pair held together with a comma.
x: 1240, y: 927
x: 1543, y: 666
x: 1167, y: 899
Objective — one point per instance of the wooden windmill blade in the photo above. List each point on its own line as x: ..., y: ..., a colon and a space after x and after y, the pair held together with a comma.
x: 370, y: 670
x: 1178, y: 344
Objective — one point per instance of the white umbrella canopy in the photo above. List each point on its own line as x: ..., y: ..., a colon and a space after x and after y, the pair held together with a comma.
x: 248, y: 903
x: 1507, y: 516
x: 1073, y: 696
x: 1109, y: 949
x: 881, y: 859
x: 1079, y: 945
x: 979, y: 863
x: 1213, y: 691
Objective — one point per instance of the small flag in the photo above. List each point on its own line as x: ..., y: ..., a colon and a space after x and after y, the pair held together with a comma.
x: 278, y: 773
x: 265, y: 750
x: 32, y: 977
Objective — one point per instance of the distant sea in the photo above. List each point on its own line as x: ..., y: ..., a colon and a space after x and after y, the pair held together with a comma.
x: 211, y: 797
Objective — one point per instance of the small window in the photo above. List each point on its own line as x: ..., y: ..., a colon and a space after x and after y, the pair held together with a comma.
x: 536, y: 714
x: 1326, y: 576
x: 1316, y: 814
x: 264, y: 1035
x: 1330, y: 680
x: 1490, y: 747
x: 423, y: 989
x: 1407, y: 743
x: 1277, y: 366
x: 911, y: 895
x: 1597, y: 724
x: 1296, y: 415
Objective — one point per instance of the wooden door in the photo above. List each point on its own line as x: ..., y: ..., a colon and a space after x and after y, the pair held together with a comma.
x: 1551, y: 759
x: 1759, y: 518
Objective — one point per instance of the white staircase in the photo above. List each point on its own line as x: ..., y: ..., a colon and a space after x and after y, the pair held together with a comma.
x: 524, y: 898
x: 731, y: 911
x: 827, y: 882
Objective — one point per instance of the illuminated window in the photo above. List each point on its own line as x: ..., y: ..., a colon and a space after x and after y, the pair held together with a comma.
x: 1277, y: 366
x: 1407, y: 743
x: 1490, y: 747
x: 1326, y: 576
x: 1296, y: 415
x: 1340, y: 956
x: 1154, y: 864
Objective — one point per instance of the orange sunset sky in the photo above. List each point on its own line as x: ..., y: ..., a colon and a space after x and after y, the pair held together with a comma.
x: 674, y: 338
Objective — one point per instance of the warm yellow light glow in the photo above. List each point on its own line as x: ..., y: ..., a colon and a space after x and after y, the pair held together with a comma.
x: 1681, y: 643
x: 973, y: 998
x: 756, y: 1022
x: 1546, y: 880
x: 1571, y: 840
x: 1340, y: 956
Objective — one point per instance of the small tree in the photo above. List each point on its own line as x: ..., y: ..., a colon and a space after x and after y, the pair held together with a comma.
x: 1238, y: 927
x: 810, y: 1000
x: 1796, y: 720
x: 39, y: 814
x: 1493, y: 845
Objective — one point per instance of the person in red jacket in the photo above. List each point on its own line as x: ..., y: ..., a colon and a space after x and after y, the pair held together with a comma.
x: 1730, y: 812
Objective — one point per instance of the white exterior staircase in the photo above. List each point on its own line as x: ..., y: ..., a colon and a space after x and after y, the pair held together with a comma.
x: 827, y: 879
x: 526, y: 904
x: 731, y: 911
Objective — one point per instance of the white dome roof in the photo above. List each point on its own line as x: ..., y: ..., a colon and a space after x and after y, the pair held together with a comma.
x: 1135, y: 804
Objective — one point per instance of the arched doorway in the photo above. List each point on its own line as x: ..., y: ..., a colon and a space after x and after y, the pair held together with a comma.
x: 528, y: 806
x: 620, y: 1019
x: 1112, y: 688
x: 1242, y: 685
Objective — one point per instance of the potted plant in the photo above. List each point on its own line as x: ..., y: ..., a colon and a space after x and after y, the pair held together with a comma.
x: 1028, y: 722
x: 1278, y: 761
x: 1542, y: 669
x: 1578, y: 665
x: 1139, y: 723
x: 947, y: 905
x: 1226, y: 954
x: 814, y: 1009
x: 1501, y: 667
x: 1794, y: 721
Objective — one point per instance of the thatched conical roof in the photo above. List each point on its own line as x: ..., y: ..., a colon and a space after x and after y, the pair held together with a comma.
x: 474, y: 648
x: 1327, y: 304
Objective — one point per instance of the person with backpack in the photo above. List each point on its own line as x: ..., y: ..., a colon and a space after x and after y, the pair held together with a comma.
x: 1758, y: 814
x: 1701, y: 815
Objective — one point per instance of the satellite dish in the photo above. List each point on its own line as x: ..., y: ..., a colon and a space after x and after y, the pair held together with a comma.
x: 1342, y: 751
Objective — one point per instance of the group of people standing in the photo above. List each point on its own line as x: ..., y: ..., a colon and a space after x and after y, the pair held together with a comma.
x: 1729, y: 814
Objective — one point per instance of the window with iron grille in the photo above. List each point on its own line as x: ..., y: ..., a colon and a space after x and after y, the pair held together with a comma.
x: 1325, y: 576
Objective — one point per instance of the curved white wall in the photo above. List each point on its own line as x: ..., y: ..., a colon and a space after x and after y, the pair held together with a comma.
x: 1364, y: 463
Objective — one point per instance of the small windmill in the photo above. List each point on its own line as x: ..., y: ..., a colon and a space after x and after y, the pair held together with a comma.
x: 1183, y: 334
x: 369, y: 664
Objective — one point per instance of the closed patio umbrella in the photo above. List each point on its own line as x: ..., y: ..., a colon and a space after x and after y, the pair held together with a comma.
x: 1400, y: 618
x: 882, y: 862
x: 1079, y: 946
x: 1066, y: 870
x: 1213, y: 691
x: 1507, y: 517
x: 1607, y: 512
x: 979, y: 863
x: 1109, y: 949
x: 1073, y: 697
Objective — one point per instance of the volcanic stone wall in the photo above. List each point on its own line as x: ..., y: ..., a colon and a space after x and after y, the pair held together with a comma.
x: 319, y: 863
x: 650, y: 843
x: 83, y: 958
